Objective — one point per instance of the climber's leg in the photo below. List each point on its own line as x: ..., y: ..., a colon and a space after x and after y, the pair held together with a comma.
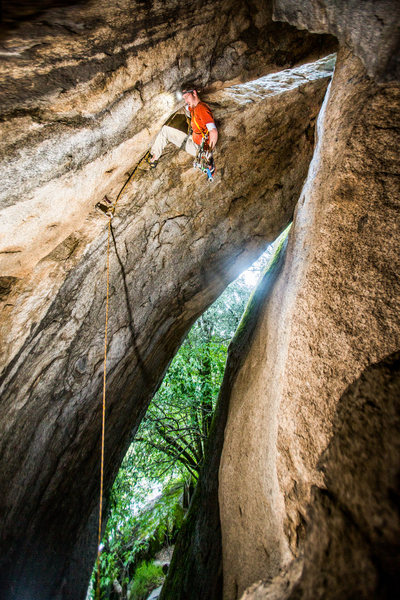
x: 191, y: 147
x: 165, y: 135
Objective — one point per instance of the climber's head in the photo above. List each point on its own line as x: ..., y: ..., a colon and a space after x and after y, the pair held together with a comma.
x: 190, y: 95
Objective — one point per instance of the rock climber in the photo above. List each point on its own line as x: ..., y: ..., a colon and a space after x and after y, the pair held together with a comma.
x: 200, y: 143
x: 202, y: 125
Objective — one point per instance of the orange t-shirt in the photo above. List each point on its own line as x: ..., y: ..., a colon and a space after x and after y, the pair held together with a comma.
x: 201, y: 115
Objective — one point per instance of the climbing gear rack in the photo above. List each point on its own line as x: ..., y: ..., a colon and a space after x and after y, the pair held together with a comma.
x: 205, y: 161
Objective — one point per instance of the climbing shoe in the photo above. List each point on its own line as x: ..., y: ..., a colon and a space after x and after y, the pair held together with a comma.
x: 152, y: 161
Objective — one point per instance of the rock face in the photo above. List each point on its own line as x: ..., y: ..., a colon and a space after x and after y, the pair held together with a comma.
x: 360, y: 501
x: 370, y: 28
x: 86, y: 90
x: 308, y: 480
x: 71, y: 128
x: 296, y: 463
x: 52, y: 387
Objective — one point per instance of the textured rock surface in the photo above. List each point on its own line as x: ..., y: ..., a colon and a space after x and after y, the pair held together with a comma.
x: 370, y: 28
x: 306, y: 405
x: 177, y: 242
x: 84, y: 91
x: 333, y: 312
x: 360, y: 502
x: 353, y: 548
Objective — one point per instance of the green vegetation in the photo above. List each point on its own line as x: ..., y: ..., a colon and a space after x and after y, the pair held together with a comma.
x: 147, y: 577
x: 158, y: 475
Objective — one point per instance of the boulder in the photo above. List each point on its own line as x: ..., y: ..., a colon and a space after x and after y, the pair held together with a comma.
x: 155, y: 593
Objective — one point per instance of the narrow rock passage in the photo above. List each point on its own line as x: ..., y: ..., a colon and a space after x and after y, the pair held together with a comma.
x: 312, y: 387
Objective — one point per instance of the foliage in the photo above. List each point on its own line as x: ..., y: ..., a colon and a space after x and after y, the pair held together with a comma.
x: 163, y: 463
x: 177, y: 423
x: 147, y: 577
x: 136, y: 531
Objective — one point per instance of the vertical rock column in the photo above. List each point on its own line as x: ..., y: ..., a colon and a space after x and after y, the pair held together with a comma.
x: 333, y: 312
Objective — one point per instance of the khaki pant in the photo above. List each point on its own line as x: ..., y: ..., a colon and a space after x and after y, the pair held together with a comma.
x: 180, y: 139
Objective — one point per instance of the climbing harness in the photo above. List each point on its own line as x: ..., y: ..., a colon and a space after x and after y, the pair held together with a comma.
x: 204, y: 158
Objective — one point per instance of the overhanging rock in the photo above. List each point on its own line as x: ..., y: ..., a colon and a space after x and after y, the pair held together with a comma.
x: 177, y: 242
x: 370, y: 28
x: 85, y: 90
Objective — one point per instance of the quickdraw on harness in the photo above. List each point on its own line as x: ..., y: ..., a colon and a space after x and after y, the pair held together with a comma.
x: 204, y: 158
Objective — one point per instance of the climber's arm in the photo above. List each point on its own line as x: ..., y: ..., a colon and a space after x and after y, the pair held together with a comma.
x: 212, y: 135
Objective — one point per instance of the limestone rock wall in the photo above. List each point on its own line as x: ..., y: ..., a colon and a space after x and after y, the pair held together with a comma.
x: 333, y: 313
x: 370, y: 28
x: 307, y: 502
x: 360, y: 502
x: 72, y: 127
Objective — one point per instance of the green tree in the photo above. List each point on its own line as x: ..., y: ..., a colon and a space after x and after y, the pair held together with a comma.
x: 167, y: 453
x: 175, y: 428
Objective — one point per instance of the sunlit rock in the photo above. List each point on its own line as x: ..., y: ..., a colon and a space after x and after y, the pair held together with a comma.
x: 85, y: 90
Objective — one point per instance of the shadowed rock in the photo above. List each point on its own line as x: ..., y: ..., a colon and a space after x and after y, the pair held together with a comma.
x: 370, y: 28
x: 352, y: 548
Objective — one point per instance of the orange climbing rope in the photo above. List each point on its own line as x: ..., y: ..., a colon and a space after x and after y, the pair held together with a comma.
x: 103, y: 423
x: 110, y: 214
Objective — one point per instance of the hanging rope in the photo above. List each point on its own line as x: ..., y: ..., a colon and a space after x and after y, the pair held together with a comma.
x: 103, y: 422
x: 110, y: 213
